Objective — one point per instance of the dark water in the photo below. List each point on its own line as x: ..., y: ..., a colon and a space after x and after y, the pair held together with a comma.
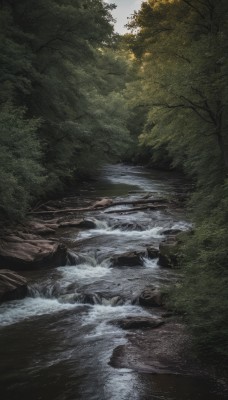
x: 56, y: 348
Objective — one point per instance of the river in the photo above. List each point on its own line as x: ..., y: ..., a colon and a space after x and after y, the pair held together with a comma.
x: 55, y: 347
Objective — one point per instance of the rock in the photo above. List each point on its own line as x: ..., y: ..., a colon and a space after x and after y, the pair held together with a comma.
x: 79, y: 223
x: 12, y: 286
x: 31, y: 252
x: 129, y: 259
x: 103, y: 203
x: 166, y: 350
x: 137, y: 322
x: 41, y: 228
x: 150, y: 297
x: 171, y: 232
x: 168, y: 252
x: 152, y: 252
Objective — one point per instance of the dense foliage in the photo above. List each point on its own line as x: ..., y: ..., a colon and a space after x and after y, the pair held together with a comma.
x: 180, y: 47
x: 61, y: 104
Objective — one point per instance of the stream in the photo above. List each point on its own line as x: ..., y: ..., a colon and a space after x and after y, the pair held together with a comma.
x: 56, y: 343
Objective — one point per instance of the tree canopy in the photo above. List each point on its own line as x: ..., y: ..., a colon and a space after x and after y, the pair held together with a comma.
x: 62, y: 79
x: 180, y: 48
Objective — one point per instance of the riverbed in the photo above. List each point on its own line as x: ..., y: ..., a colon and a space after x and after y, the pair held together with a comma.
x: 57, y: 346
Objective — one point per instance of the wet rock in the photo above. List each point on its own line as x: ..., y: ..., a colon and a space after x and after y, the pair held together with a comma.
x: 149, y: 297
x: 168, y: 252
x: 25, y: 251
x: 129, y: 259
x: 171, y: 232
x: 164, y: 350
x: 12, y: 286
x: 79, y: 223
x: 137, y: 322
x: 41, y: 228
x: 152, y: 252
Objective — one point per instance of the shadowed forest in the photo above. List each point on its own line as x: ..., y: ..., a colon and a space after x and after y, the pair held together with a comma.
x: 75, y: 95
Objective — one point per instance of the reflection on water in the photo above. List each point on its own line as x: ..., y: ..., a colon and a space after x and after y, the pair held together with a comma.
x: 53, y: 347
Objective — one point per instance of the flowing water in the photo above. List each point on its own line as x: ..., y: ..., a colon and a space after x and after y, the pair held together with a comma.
x: 56, y: 343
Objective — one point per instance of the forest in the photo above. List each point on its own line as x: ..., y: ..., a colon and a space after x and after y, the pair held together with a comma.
x: 74, y: 94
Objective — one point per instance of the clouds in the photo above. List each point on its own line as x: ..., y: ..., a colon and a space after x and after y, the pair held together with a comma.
x: 124, y: 10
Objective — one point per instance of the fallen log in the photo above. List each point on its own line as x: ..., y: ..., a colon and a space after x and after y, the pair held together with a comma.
x: 96, y: 206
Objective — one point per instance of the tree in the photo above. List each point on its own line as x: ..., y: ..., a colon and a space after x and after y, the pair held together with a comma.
x: 181, y: 48
x: 58, y: 67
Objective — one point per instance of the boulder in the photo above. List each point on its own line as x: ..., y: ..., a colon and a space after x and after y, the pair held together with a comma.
x: 137, y: 322
x: 149, y: 297
x: 40, y: 228
x: 12, y: 286
x: 27, y: 251
x: 168, y: 252
x: 129, y: 259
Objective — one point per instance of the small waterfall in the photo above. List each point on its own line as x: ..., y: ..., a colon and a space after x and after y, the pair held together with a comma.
x: 45, y: 291
x: 101, y: 224
x: 92, y: 299
x: 151, y: 263
x: 58, y: 292
x: 93, y: 259
x: 74, y: 258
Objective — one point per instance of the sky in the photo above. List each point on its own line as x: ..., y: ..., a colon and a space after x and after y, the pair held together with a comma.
x: 124, y: 9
